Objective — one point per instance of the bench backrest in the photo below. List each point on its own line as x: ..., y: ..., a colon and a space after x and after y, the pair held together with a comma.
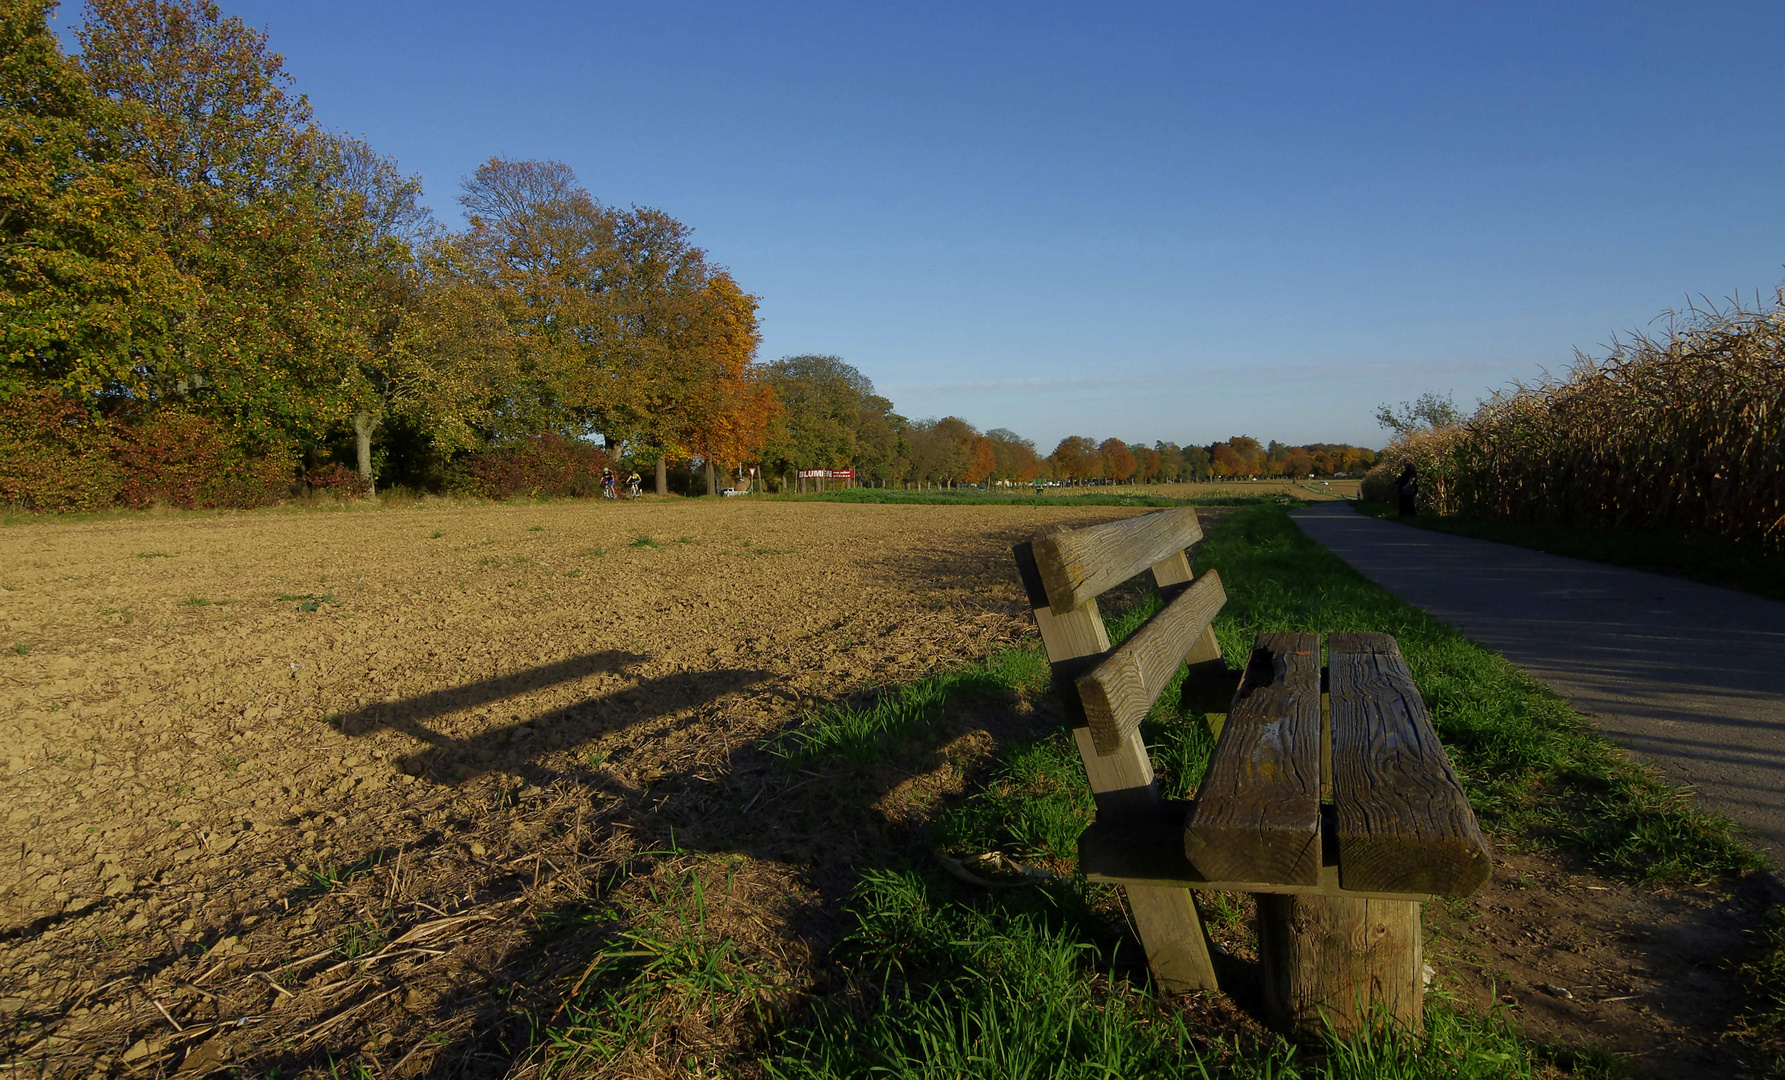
x: 1112, y: 690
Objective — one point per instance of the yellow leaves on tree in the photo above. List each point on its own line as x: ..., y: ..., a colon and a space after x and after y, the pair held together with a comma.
x: 983, y: 461
x: 730, y: 413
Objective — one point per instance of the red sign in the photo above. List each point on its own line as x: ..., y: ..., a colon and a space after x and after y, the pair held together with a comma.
x: 827, y: 474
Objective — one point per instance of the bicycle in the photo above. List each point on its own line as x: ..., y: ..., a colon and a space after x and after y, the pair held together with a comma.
x: 632, y: 491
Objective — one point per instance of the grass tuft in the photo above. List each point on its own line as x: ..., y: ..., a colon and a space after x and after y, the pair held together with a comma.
x: 663, y: 963
x: 310, y: 601
x: 864, y: 733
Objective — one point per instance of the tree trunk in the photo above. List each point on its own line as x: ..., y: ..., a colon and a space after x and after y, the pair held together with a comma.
x: 712, y: 484
x: 663, y: 476
x: 1355, y: 962
x: 363, y: 424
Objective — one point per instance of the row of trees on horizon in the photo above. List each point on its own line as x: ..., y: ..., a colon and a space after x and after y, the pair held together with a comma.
x: 207, y: 295
x: 830, y: 417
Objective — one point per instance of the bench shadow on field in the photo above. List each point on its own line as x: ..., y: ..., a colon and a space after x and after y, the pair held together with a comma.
x: 515, y: 748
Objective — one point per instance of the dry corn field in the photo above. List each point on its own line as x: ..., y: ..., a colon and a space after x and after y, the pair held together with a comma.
x: 1683, y: 431
x: 275, y: 780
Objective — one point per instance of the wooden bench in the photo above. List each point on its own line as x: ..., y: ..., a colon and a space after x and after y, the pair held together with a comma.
x: 1328, y: 795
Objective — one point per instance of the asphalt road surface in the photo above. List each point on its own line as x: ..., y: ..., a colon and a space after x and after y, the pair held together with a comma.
x: 1689, y: 676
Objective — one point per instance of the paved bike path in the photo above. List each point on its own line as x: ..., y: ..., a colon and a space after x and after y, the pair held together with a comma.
x: 1690, y: 676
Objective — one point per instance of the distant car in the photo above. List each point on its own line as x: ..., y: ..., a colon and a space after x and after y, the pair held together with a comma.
x: 1325, y: 483
x: 729, y: 492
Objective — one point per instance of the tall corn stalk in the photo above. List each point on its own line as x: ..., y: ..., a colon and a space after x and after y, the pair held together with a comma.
x: 1683, y: 431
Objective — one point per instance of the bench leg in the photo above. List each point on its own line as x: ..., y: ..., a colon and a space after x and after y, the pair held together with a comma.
x: 1164, y: 916
x: 1358, y: 962
x: 1177, y: 949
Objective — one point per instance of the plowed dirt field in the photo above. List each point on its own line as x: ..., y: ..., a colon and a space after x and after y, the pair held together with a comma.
x: 239, y: 748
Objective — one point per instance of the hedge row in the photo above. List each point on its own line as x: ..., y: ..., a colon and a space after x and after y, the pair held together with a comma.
x: 56, y: 457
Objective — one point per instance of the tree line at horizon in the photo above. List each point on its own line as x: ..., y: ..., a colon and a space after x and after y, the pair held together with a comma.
x: 830, y: 417
x: 206, y: 296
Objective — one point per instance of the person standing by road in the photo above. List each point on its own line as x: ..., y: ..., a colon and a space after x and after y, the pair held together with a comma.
x: 1407, y: 487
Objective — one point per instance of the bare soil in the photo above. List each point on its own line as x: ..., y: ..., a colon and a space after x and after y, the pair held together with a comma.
x: 289, y: 788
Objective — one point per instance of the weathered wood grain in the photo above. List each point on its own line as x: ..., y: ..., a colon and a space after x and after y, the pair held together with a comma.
x: 1257, y: 812
x: 1077, y: 566
x: 1337, y: 961
x: 1402, y: 821
x: 1117, y: 693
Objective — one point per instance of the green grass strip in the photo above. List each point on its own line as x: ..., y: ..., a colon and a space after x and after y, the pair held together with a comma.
x: 1020, y: 985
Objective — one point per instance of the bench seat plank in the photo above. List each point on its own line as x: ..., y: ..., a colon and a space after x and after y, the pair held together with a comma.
x: 1257, y: 812
x: 1079, y: 565
x: 1118, y: 693
x: 1403, y: 823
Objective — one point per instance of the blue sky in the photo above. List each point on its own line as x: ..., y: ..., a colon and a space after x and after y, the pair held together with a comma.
x: 1177, y: 222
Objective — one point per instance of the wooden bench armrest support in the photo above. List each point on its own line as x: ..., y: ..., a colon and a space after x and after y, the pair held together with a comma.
x: 1077, y: 566
x: 1118, y: 693
x: 1401, y: 819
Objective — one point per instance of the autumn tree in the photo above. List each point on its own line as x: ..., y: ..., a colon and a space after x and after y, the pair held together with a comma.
x: 1118, y: 460
x: 982, y: 460
x: 235, y: 178
x: 727, y: 418
x: 86, y: 286
x: 453, y: 364
x: 1148, y: 462
x: 1016, y: 458
x: 882, y: 443
x: 1432, y: 411
x: 368, y: 188
x: 1075, y: 458
x: 942, y: 450
x: 833, y: 419
x: 622, y: 326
